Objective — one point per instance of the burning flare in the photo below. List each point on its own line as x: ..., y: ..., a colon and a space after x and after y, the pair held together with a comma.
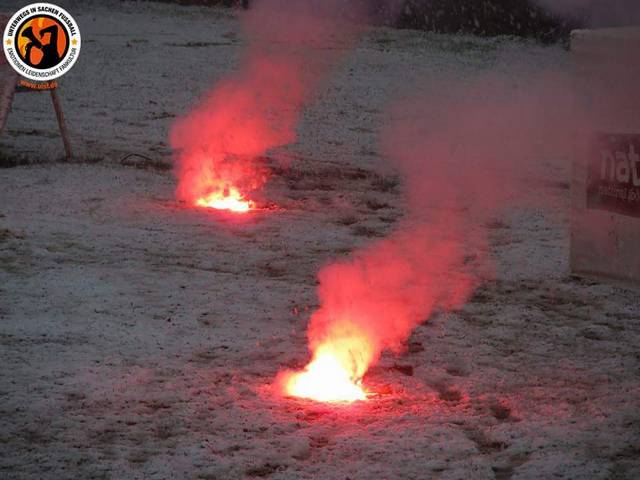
x: 220, y: 181
x: 372, y: 302
x: 229, y: 199
x: 220, y: 145
x: 335, y: 372
x: 325, y: 379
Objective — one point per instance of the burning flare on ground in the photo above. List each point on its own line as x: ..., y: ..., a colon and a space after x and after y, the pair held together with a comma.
x: 325, y: 379
x: 457, y: 161
x: 220, y: 181
x: 228, y: 199
x: 219, y: 144
x: 336, y: 369
x: 371, y: 303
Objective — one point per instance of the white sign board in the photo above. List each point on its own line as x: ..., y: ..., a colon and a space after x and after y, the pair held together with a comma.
x: 605, y: 223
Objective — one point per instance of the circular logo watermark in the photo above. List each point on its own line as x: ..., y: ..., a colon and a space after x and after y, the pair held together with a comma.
x: 41, y: 41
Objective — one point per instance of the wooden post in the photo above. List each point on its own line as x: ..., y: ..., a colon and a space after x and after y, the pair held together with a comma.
x: 8, y: 79
x: 8, y: 86
x: 7, y: 89
x: 61, y: 124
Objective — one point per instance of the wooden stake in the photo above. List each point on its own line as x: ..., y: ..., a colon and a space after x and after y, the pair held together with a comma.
x: 61, y: 124
x: 7, y: 89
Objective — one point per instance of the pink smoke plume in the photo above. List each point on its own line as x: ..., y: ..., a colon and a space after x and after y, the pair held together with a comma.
x: 463, y: 157
x: 291, y: 46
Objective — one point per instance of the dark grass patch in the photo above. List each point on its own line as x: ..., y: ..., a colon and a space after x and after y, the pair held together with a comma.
x: 365, y: 231
x: 347, y: 220
x: 8, y: 160
x: 11, y: 160
x: 143, y: 162
x: 265, y: 470
x: 385, y: 184
x: 326, y: 178
x: 501, y: 411
x: 523, y: 18
x: 373, y: 204
x: 6, y: 234
x: 450, y: 395
x: 208, y: 3
x: 199, y: 44
x: 403, y: 369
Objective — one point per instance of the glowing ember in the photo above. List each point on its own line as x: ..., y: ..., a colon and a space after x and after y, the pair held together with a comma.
x: 325, y: 379
x: 230, y: 199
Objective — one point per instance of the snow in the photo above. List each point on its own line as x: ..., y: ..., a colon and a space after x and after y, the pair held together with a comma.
x: 139, y: 338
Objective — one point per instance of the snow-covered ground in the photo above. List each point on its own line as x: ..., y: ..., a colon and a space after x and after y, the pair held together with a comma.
x: 139, y: 338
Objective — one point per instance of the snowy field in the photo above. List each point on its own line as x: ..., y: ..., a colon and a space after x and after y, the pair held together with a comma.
x: 139, y: 338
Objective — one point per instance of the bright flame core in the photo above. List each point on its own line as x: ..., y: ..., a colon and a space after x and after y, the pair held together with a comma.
x: 325, y: 380
x: 229, y: 199
x: 329, y: 377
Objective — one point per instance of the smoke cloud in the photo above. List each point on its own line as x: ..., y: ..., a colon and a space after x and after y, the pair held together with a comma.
x: 291, y: 47
x: 465, y: 152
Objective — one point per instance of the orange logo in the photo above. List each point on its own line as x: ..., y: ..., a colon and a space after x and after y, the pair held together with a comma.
x: 42, y: 42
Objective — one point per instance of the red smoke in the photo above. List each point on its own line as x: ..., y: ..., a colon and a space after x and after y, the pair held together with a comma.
x: 256, y: 108
x: 464, y: 154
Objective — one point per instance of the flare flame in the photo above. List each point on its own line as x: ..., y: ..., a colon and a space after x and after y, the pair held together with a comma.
x: 231, y: 199
x: 335, y: 371
x: 325, y: 380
